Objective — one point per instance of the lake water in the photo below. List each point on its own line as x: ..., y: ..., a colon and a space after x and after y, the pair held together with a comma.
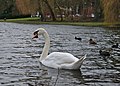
x: 19, y: 54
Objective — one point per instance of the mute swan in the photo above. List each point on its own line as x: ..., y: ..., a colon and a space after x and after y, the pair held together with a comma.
x: 57, y: 60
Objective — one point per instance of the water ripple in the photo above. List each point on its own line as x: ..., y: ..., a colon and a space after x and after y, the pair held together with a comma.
x: 19, y: 56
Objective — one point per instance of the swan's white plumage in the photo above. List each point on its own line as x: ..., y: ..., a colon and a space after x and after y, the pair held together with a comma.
x: 57, y: 59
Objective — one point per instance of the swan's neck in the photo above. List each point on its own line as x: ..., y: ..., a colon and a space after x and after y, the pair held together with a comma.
x: 46, y: 46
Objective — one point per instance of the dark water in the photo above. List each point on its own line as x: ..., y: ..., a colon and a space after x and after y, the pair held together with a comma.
x: 19, y: 56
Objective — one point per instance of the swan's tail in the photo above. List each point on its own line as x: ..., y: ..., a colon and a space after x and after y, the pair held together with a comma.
x: 78, y: 64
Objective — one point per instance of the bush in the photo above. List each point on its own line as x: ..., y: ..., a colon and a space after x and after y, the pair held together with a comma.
x: 9, y: 16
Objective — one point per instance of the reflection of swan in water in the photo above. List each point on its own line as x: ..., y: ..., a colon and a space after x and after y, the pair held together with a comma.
x: 57, y: 60
x: 62, y: 77
x: 66, y: 76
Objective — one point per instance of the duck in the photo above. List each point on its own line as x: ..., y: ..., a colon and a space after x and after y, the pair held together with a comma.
x: 115, y: 45
x: 104, y: 53
x: 91, y: 41
x: 78, y: 38
x: 57, y: 60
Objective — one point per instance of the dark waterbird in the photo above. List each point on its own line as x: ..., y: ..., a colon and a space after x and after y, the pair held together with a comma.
x: 91, y: 41
x: 104, y: 53
x: 78, y: 38
x: 115, y: 45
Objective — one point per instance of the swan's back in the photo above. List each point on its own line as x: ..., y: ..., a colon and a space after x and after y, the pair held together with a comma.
x: 56, y: 59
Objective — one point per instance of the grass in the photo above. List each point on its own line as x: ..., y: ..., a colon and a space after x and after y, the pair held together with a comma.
x: 37, y: 21
x: 20, y: 19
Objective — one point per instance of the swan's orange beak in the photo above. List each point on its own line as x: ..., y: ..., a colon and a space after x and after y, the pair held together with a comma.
x: 35, y: 35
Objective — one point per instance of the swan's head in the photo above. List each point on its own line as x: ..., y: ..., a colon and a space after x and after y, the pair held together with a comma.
x: 39, y: 31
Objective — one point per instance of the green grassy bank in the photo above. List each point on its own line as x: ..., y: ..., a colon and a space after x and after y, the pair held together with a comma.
x: 37, y: 21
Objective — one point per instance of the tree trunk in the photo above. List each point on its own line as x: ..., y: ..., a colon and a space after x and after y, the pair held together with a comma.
x: 97, y: 10
x: 59, y: 10
x: 51, y: 10
x: 41, y: 10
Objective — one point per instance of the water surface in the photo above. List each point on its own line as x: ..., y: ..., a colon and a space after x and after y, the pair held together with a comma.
x: 19, y: 54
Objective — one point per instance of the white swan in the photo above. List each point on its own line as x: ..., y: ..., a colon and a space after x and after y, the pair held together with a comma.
x: 56, y: 60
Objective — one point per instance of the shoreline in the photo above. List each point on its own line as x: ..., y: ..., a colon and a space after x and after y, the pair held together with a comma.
x: 88, y: 24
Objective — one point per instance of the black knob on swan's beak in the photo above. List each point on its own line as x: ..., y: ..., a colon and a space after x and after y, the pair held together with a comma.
x: 35, y: 34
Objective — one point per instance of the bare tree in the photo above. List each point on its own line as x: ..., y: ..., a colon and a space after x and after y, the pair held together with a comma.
x: 50, y: 9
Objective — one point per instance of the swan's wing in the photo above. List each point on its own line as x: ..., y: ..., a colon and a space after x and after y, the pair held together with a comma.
x: 74, y: 65
x: 55, y: 59
x: 61, y: 57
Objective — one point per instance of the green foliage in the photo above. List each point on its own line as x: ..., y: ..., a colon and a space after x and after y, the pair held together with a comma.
x: 8, y: 9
